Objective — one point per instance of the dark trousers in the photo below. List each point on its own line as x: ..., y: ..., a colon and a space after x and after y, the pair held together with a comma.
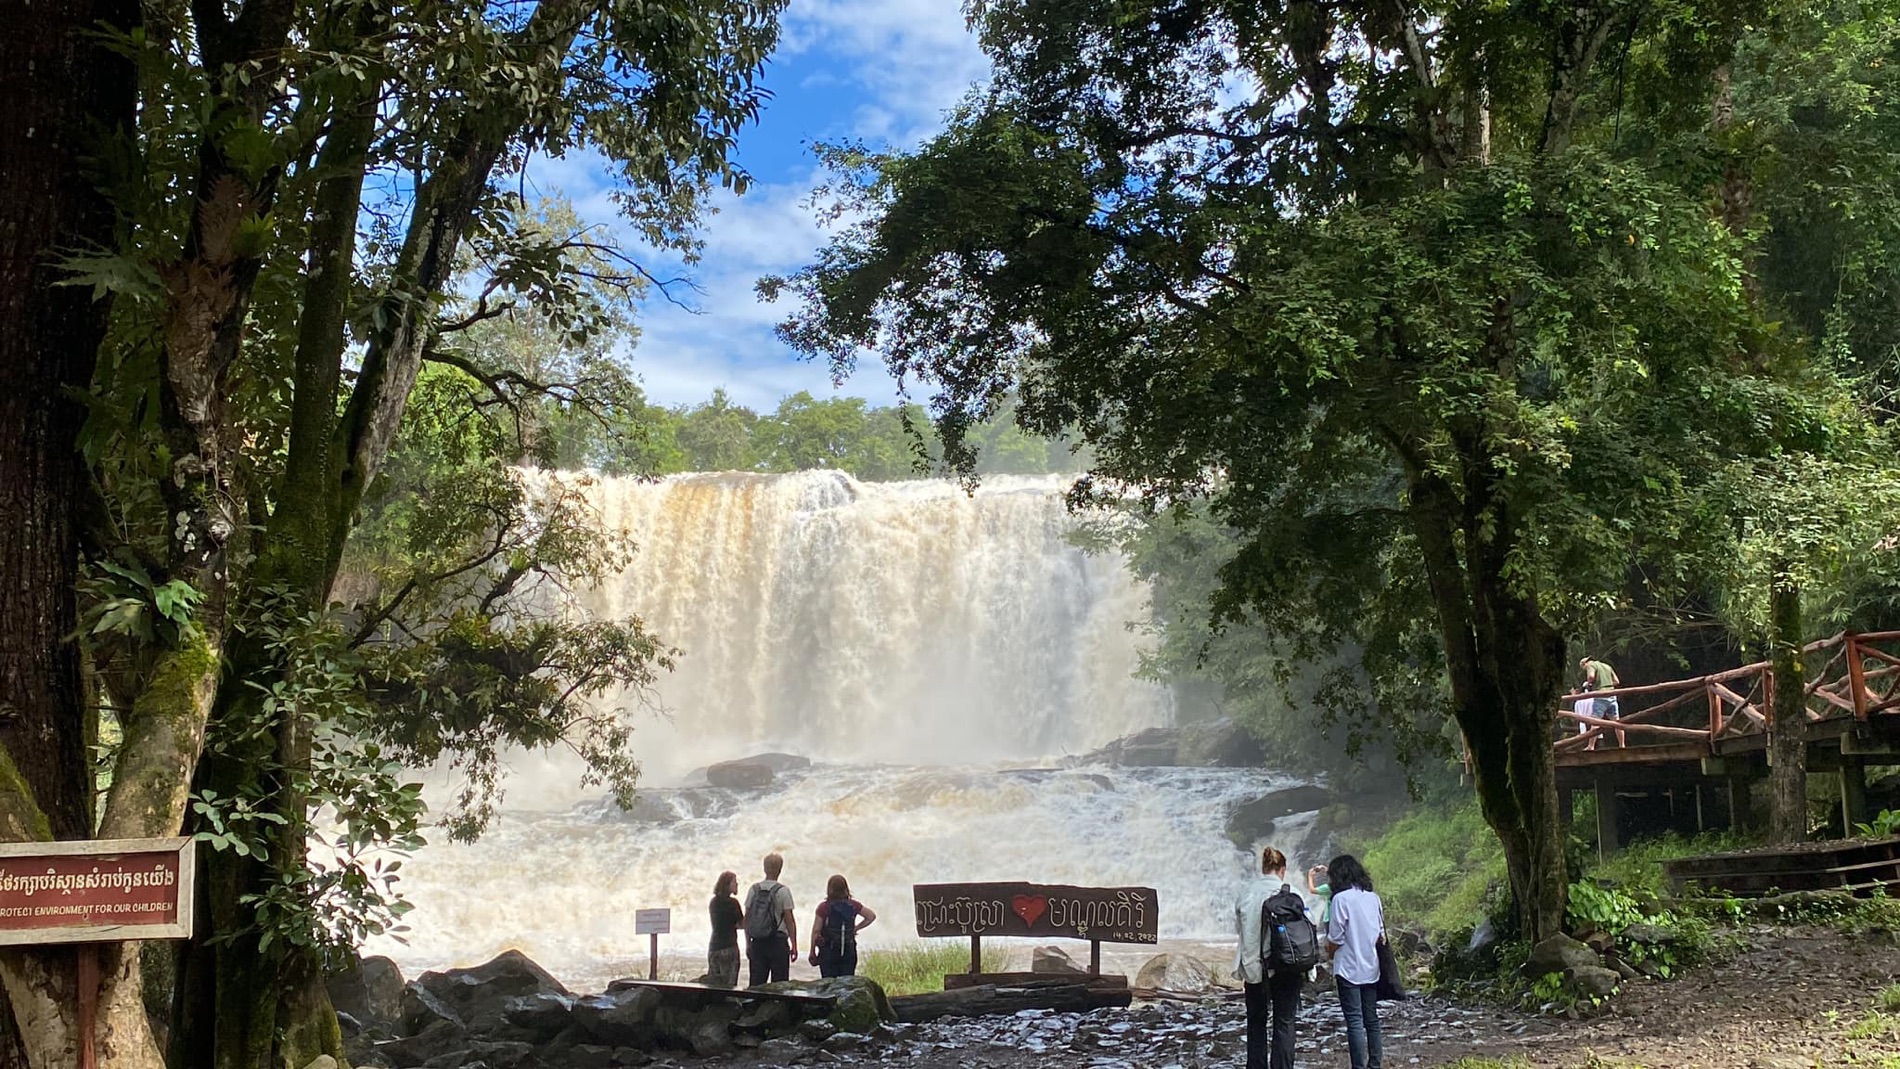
x: 838, y: 963
x: 1272, y: 1006
x: 1359, y: 1003
x: 770, y: 958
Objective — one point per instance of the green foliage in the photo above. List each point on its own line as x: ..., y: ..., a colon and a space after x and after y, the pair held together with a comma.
x: 1438, y: 868
x: 1885, y: 825
x: 1888, y: 1001
x: 920, y: 967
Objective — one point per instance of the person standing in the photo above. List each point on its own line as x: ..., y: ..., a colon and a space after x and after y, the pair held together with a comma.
x: 1272, y: 994
x: 1598, y: 675
x: 722, y: 954
x: 1352, y: 938
x: 771, y: 931
x: 835, y: 927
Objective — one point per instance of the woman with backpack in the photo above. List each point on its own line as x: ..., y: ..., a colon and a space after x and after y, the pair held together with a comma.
x: 1352, y: 938
x: 1278, y: 948
x: 835, y: 927
x: 722, y: 954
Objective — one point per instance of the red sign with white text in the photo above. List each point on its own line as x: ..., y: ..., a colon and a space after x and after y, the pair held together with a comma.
x: 69, y: 892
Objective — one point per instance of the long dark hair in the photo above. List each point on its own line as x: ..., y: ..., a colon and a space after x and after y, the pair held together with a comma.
x: 1345, y: 871
x: 836, y: 889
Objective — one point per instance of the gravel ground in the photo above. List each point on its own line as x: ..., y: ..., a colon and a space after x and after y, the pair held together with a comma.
x: 1791, y: 999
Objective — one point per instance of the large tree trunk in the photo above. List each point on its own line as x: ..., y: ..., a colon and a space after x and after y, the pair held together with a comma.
x: 1788, y: 739
x: 66, y: 90
x: 1506, y: 668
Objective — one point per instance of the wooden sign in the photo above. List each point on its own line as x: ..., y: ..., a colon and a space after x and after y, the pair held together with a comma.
x: 652, y: 921
x: 95, y: 890
x: 1098, y: 914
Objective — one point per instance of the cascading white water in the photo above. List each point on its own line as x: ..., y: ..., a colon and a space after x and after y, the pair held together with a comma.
x: 914, y: 640
x: 903, y: 621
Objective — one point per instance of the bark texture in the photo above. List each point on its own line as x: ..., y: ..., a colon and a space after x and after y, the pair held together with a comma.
x: 1788, y: 744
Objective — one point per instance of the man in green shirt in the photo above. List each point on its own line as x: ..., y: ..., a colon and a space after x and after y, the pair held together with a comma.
x: 1598, y: 675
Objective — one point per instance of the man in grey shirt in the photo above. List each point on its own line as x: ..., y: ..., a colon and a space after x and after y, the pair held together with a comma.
x: 771, y: 930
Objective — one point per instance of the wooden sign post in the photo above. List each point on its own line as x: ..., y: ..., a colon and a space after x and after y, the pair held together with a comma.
x: 652, y: 923
x: 92, y: 891
x: 1097, y: 914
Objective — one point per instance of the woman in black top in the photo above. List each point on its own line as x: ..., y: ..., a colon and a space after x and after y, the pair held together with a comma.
x: 722, y: 956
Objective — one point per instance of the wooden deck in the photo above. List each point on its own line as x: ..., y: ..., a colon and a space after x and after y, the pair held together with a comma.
x: 1861, y: 867
x: 1853, y: 690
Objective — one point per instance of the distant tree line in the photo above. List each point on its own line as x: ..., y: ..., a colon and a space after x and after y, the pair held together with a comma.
x: 871, y: 442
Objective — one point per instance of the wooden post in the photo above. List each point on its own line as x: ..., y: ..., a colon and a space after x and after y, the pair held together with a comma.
x: 1715, y: 713
x: 653, y: 955
x: 1566, y: 804
x: 1853, y: 793
x: 976, y: 955
x: 1857, y: 678
x: 88, y: 1003
x: 1095, y: 957
x: 1607, y: 812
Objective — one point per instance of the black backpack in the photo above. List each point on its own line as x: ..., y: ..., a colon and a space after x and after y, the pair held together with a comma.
x: 1288, y: 939
x: 840, y: 932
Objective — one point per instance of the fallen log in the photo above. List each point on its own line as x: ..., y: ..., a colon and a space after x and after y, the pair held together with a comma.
x: 1061, y: 996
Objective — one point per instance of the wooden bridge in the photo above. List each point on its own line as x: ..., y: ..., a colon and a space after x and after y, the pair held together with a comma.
x: 1694, y: 747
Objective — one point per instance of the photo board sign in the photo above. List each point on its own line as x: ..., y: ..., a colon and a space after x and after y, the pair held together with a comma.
x: 95, y: 890
x: 652, y: 921
x: 1098, y: 914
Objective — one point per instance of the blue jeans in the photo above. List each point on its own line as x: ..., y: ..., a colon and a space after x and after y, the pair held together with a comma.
x: 1360, y: 1004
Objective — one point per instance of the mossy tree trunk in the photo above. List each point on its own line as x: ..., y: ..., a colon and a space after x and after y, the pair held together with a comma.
x: 1788, y: 742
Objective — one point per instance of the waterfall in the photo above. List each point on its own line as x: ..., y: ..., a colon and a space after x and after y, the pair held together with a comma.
x: 920, y: 644
x: 900, y: 622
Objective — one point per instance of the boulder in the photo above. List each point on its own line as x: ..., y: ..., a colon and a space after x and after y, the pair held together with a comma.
x: 629, y: 1056
x: 1642, y: 933
x: 651, y: 807
x: 1560, y: 953
x: 1250, y: 822
x: 1055, y: 960
x: 861, y: 1004
x: 711, y: 1030
x: 587, y: 1056
x: 740, y: 774
x: 817, y: 1031
x: 480, y: 996
x: 624, y: 1018
x: 369, y: 990
x: 772, y: 1018
x: 1218, y: 744
x: 539, y: 1017
x: 438, y: 1038
x: 1155, y: 747
x: 421, y: 1009
x: 1176, y: 972
x: 1592, y: 981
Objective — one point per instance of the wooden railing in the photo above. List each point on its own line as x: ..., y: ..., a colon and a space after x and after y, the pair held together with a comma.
x: 1859, y: 678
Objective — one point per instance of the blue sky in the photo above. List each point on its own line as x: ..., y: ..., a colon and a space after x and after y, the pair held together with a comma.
x: 884, y: 71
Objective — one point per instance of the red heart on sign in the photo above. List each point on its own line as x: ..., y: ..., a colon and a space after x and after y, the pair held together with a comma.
x: 1030, y: 908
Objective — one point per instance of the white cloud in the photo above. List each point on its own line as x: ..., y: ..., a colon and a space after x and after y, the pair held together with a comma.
x: 914, y: 58
x: 907, y: 61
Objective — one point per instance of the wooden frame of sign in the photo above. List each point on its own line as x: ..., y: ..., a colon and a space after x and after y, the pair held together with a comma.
x: 96, y: 890
x: 1042, y: 911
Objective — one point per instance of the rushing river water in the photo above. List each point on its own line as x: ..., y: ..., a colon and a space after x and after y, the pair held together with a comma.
x: 926, y: 647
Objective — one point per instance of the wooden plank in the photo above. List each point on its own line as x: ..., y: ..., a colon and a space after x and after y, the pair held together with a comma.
x: 1666, y: 753
x: 957, y: 981
x: 709, y: 993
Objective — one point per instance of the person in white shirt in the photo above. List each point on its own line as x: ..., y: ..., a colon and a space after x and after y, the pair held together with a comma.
x: 1352, y: 938
x: 1273, y: 996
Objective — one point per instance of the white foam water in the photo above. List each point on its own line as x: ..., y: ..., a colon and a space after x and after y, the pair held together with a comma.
x: 563, y: 886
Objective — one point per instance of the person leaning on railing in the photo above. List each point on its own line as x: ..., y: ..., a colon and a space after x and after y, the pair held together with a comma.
x: 1598, y: 675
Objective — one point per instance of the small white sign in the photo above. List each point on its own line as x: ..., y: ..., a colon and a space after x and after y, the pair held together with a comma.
x: 652, y: 921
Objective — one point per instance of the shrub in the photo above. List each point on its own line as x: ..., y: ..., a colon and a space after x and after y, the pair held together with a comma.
x: 1439, y: 868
